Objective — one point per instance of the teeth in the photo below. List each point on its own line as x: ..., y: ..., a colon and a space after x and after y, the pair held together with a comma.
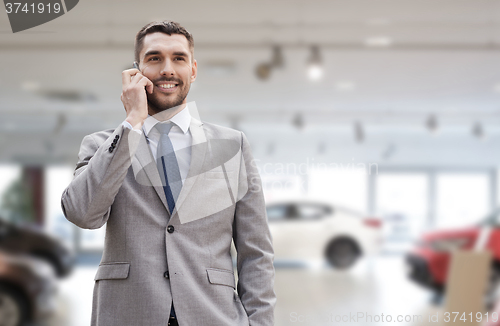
x: 167, y: 85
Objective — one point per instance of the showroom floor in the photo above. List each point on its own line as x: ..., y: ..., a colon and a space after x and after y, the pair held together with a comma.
x: 314, y: 295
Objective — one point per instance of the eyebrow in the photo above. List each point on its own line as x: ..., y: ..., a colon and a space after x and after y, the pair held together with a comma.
x: 181, y: 53
x: 156, y: 52
x: 151, y: 52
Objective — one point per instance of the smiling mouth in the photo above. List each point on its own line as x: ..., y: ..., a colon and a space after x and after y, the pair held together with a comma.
x: 167, y: 87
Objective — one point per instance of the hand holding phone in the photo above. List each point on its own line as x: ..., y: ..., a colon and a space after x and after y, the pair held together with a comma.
x: 134, y: 98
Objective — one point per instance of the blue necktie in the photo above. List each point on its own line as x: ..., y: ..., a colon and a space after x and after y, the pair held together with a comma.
x: 166, y: 161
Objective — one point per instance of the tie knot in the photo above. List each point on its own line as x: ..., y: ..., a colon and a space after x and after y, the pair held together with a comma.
x: 164, y: 127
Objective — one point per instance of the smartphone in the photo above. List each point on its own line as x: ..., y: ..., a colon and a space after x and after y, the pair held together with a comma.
x: 136, y: 65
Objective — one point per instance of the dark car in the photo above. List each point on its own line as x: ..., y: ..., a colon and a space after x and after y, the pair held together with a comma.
x: 27, y: 289
x: 26, y: 241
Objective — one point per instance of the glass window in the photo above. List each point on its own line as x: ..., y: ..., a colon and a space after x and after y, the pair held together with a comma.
x: 462, y: 199
x: 8, y: 174
x: 340, y: 187
x: 281, y: 187
x: 402, y: 201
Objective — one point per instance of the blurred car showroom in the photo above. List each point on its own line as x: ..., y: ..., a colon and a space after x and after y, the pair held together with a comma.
x: 375, y: 126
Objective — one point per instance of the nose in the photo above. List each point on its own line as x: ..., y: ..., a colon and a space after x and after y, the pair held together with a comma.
x: 167, y: 69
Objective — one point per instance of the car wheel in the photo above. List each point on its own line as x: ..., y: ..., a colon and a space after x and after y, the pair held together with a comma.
x: 342, y: 253
x: 13, y: 307
x: 52, y: 261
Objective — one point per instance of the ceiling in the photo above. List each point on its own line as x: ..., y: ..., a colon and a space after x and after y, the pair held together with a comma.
x: 388, y: 67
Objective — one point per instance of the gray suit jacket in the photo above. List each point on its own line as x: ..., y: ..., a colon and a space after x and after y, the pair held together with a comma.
x: 221, y: 201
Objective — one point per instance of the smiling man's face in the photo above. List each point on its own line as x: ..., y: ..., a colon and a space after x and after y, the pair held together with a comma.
x: 167, y: 61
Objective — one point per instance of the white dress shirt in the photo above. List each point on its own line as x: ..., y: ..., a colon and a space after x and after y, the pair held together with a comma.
x: 179, y: 135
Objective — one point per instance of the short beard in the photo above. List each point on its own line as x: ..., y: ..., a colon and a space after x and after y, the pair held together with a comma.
x: 157, y: 106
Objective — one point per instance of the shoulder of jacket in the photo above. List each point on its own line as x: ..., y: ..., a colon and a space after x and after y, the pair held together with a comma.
x: 222, y: 132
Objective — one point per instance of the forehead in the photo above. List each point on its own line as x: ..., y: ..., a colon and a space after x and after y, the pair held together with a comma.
x: 164, y: 43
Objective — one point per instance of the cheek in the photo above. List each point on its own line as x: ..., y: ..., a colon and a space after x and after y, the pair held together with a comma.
x: 149, y: 72
x: 185, y: 71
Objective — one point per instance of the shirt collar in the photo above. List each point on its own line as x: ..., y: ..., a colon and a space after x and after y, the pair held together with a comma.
x: 182, y: 119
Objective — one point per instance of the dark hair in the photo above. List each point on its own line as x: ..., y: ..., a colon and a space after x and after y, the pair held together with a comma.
x: 167, y: 27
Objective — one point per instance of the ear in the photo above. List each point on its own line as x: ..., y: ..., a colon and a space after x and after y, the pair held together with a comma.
x: 194, y: 70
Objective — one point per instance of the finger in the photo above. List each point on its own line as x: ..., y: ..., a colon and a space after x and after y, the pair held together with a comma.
x: 126, y: 76
x: 148, y: 84
x: 145, y: 82
x: 135, y: 80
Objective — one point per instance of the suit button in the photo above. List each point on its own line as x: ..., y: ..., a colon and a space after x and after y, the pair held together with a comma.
x: 166, y: 275
x: 170, y: 229
x: 111, y: 149
x: 116, y: 137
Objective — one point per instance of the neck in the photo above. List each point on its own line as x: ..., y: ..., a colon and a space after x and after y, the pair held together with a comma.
x: 168, y: 113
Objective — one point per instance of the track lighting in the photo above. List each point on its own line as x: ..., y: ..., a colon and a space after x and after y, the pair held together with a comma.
x: 315, y: 64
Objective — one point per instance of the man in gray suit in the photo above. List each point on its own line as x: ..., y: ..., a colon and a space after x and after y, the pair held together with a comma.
x: 174, y: 193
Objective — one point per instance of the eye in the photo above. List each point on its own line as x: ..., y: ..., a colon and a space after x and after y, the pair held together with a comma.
x: 153, y: 58
x: 180, y: 58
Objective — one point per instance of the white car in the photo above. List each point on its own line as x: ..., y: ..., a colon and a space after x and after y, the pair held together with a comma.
x: 315, y: 231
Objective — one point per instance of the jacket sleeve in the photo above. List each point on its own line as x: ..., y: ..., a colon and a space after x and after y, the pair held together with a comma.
x: 253, y: 243
x: 102, y: 165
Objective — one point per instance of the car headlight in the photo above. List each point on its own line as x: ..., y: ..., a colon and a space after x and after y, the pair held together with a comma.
x: 448, y: 244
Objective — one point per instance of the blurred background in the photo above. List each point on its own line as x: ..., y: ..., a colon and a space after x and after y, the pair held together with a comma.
x: 375, y: 125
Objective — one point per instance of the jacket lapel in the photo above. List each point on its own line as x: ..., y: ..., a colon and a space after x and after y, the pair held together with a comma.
x: 198, y: 151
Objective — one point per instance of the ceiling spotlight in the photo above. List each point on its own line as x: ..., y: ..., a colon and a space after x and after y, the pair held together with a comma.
x: 359, y: 133
x: 263, y: 71
x: 315, y: 64
x: 277, y: 60
x: 298, y: 121
x: 432, y: 124
x: 478, y: 131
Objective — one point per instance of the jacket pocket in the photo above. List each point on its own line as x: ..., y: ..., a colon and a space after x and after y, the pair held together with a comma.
x: 112, y: 271
x: 221, y: 276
